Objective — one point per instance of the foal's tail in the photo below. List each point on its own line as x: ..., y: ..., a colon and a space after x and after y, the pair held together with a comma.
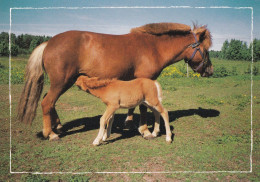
x: 33, y: 86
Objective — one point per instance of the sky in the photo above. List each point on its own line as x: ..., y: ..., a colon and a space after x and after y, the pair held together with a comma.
x: 49, y: 17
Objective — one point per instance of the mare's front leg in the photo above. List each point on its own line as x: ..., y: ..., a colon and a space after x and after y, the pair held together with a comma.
x: 156, y: 129
x: 103, y: 122
x: 129, y: 122
x: 143, y: 129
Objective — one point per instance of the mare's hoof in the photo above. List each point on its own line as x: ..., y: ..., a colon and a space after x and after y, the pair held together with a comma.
x: 54, y: 138
x: 129, y: 124
x: 149, y: 137
x: 59, y: 131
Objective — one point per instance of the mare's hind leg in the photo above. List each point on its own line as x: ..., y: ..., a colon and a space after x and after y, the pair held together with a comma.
x: 143, y: 129
x: 55, y: 120
x: 48, y: 111
x: 56, y: 124
x: 50, y: 115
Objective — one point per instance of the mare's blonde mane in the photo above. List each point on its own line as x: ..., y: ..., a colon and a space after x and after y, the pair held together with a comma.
x: 162, y: 28
x: 175, y: 28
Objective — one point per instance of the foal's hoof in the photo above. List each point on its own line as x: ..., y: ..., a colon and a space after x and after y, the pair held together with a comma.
x: 149, y: 137
x: 169, y: 140
x: 96, y: 144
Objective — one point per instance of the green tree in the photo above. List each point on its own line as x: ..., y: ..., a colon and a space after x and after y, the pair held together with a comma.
x: 224, y: 49
x: 256, y: 50
x: 245, y: 52
x: 234, y: 50
x: 4, y: 51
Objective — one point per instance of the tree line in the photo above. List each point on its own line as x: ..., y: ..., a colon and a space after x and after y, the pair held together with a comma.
x: 21, y: 44
x: 238, y: 50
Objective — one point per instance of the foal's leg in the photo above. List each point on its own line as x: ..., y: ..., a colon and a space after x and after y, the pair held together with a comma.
x: 109, y: 127
x: 143, y: 129
x: 165, y: 116
x: 159, y: 109
x: 103, y: 121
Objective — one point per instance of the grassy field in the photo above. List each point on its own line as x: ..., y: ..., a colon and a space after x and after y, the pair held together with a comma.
x: 209, y: 117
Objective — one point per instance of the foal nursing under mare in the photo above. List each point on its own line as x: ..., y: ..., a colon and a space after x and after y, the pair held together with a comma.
x: 142, y: 53
x: 116, y: 94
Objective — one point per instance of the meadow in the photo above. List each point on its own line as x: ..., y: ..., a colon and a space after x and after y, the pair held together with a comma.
x: 209, y: 117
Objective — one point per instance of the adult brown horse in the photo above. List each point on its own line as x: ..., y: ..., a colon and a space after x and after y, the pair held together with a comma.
x: 143, y: 53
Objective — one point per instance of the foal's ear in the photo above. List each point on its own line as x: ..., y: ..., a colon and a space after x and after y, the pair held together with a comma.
x: 81, y: 84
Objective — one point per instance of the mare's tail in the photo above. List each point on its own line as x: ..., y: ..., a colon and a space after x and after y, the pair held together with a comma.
x: 33, y: 86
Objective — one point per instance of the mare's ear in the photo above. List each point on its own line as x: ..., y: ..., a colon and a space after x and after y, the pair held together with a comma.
x: 201, y: 32
x: 204, y: 36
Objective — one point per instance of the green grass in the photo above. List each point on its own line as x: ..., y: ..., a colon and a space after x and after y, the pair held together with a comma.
x: 210, y: 118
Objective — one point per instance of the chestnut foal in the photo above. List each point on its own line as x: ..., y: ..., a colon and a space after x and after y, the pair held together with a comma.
x: 126, y: 94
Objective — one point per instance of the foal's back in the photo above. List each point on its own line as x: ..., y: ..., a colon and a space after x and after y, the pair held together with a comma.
x: 128, y: 94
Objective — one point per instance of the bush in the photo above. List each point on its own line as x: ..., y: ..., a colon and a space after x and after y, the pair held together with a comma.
x: 255, y: 70
x: 220, y: 72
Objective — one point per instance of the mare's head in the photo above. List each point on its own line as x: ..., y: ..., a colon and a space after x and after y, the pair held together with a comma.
x: 197, y: 53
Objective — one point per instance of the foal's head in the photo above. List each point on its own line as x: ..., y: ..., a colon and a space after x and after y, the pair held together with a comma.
x: 86, y: 83
x: 197, y: 54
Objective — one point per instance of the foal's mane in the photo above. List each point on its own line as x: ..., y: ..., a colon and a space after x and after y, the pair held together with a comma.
x: 96, y: 83
x: 162, y: 28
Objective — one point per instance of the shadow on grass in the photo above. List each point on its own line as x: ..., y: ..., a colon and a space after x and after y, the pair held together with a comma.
x: 91, y: 123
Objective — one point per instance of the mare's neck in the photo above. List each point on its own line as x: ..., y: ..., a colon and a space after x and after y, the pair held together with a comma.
x: 172, y: 48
